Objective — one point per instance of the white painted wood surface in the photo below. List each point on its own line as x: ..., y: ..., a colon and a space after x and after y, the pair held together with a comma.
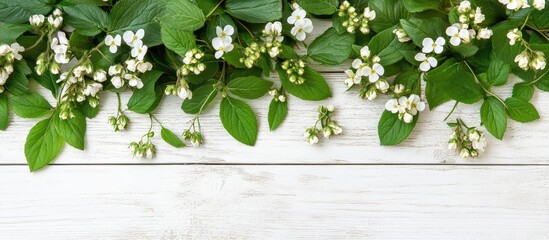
x: 419, y: 190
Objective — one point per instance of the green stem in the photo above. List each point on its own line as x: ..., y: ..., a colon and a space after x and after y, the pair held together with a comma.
x: 539, y: 31
x: 37, y: 42
x: 452, y: 111
x: 215, y: 8
x: 482, y: 86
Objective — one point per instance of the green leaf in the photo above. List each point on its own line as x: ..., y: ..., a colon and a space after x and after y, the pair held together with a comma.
x: 4, y: 112
x: 319, y: 7
x: 17, y: 84
x: 182, y: 15
x: 88, y: 111
x: 498, y: 72
x: 421, y: 28
x: 233, y: 58
x: 170, y: 138
x: 411, y: 80
x: 239, y: 120
x: 523, y: 91
x: 456, y: 81
x: 393, y: 131
x: 48, y: 81
x: 420, y: 6
x: 43, y: 144
x: 10, y: 32
x: 31, y: 105
x: 331, y: 48
x: 132, y: 15
x: 388, y: 13
x: 520, y: 110
x: 500, y: 43
x: 493, y: 116
x: 255, y: 11
x: 72, y: 130
x: 19, y: 11
x: 540, y: 19
x: 202, y: 97
x: 212, y: 67
x: 208, y: 6
x: 146, y: 99
x: 434, y: 96
x: 88, y: 20
x: 277, y: 113
x: 178, y: 41
x: 249, y: 87
x: 314, y: 88
x: 387, y: 47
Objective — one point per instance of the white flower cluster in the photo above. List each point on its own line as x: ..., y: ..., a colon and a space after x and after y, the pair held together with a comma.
x: 181, y: 89
x: 429, y: 49
x: 406, y: 107
x: 129, y: 71
x: 144, y: 148
x: 516, y: 5
x: 223, y: 42
x: 60, y: 46
x: 528, y: 58
x: 469, y: 141
x: 328, y: 127
x: 468, y: 27
x: 277, y: 95
x: 192, y: 62
x: 402, y: 36
x: 119, y: 123
x: 301, y: 24
x: 194, y: 137
x: 295, y: 70
x: 55, y: 20
x: 367, y: 66
x: 354, y: 20
x: 8, y: 54
x: 272, y: 36
x: 133, y: 40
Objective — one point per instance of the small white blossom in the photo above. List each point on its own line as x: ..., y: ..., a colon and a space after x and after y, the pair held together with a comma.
x: 100, y: 76
x: 457, y: 34
x: 484, y: 33
x: 352, y: 78
x: 464, y: 153
x: 16, y: 49
x: 132, y: 38
x: 113, y: 42
x: 117, y: 81
x: 365, y: 52
x: 37, y: 20
x: 133, y: 81
x: 369, y: 14
x: 374, y: 72
x: 464, y: 6
x: 429, y: 45
x: 539, y: 4
x: 539, y: 61
x: 301, y: 28
x: 273, y: 29
x: 523, y: 59
x: 515, y: 4
x: 221, y: 47
x: 513, y: 36
x: 185, y: 93
x: 426, y: 62
x: 401, y: 35
x: 226, y: 33
x: 479, y: 17
x: 297, y: 14
x: 92, y: 89
x: 139, y: 51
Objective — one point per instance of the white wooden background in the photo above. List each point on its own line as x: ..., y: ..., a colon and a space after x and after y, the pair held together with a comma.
x: 346, y: 188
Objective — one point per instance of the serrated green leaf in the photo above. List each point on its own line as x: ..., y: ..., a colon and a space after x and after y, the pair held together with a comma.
x: 456, y: 81
x: 146, y: 99
x: 88, y: 20
x: 393, y: 131
x: 331, y: 48
x: 249, y: 87
x: 255, y: 11
x: 43, y: 144
x: 277, y: 113
x: 421, y: 28
x: 72, y: 130
x: 420, y: 6
x: 10, y: 32
x: 202, y: 97
x: 520, y: 110
x: 319, y: 7
x: 178, y: 41
x: 31, y: 105
x: 132, y: 15
x: 314, y: 88
x: 17, y: 84
x: 182, y: 15
x: 170, y: 138
x: 498, y: 72
x: 388, y: 13
x: 493, y: 116
x: 19, y: 11
x: 523, y: 91
x: 239, y: 120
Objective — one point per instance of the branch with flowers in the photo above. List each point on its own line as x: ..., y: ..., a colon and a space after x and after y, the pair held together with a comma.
x: 419, y: 53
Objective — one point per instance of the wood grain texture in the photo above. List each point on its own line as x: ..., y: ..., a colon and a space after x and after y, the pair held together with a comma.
x: 274, y: 202
x: 523, y: 143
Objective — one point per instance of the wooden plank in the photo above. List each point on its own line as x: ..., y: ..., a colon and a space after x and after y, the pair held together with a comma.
x: 274, y: 202
x: 523, y: 144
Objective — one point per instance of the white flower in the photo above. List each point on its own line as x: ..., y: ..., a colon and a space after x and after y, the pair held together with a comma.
x: 185, y: 93
x: 523, y: 59
x: 55, y: 22
x: 132, y: 38
x: 113, y: 42
x: 426, y: 62
x: 139, y: 51
x: 352, y: 78
x: 143, y: 67
x: 401, y: 35
x: 369, y: 14
x: 221, y: 47
x: 117, y: 82
x: 365, y: 52
x: 479, y: 17
x: 37, y: 20
x: 134, y: 81
x: 478, y: 141
x: 297, y: 14
x: 274, y: 30
x: 539, y: 61
x: 513, y: 35
x: 374, y: 72
x: 3, y: 77
x: 539, y: 4
x: 515, y: 4
x: 282, y: 98
x: 399, y: 88
x: 226, y: 33
x: 414, y: 104
x: 407, y: 117
x: 382, y: 85
x: 92, y: 89
x: 464, y: 153
x: 301, y: 28
x: 100, y: 76
x: 429, y: 45
x: 57, y: 12
x: 274, y: 52
x: 115, y: 70
x: 452, y: 144
x: 16, y: 49
x: 484, y: 33
x: 464, y: 6
x: 456, y: 34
